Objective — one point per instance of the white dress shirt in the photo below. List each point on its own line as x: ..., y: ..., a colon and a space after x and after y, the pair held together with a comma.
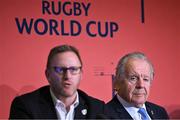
x: 133, y: 111
x: 62, y: 113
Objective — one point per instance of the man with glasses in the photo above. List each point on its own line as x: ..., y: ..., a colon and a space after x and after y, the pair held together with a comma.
x: 134, y: 77
x: 61, y: 99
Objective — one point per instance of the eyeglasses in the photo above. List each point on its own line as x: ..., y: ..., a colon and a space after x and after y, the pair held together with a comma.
x: 62, y: 70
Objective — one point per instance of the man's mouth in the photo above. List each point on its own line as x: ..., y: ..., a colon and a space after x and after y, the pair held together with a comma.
x: 66, y: 84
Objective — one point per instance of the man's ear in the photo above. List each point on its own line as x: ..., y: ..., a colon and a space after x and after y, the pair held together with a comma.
x: 81, y: 73
x: 116, y: 83
x: 47, y: 74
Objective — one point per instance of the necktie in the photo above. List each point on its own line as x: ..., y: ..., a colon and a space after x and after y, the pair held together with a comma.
x: 143, y: 113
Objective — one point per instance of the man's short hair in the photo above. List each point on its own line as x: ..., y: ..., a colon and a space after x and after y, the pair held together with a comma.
x: 60, y: 49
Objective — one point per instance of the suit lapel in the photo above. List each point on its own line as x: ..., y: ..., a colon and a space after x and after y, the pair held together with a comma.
x: 150, y: 111
x: 81, y: 110
x: 120, y: 110
x: 47, y: 105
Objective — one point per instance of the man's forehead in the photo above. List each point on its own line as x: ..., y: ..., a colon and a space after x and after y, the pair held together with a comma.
x: 137, y: 64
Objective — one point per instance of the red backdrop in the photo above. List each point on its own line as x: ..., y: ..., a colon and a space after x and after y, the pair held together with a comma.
x: 23, y: 57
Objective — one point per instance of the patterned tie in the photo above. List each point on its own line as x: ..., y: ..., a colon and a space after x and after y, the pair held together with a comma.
x: 143, y: 113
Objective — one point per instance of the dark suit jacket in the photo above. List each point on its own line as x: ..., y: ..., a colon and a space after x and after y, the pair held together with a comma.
x: 38, y: 104
x: 115, y: 110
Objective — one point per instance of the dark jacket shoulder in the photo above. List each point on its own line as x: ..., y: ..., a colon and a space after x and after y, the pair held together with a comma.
x: 114, y: 109
x: 88, y: 98
x: 156, y: 111
x: 36, y: 104
x: 93, y: 106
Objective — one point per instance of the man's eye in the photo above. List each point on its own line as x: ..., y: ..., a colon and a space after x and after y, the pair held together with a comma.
x: 146, y: 79
x: 133, y: 78
x: 58, y: 69
x: 73, y: 68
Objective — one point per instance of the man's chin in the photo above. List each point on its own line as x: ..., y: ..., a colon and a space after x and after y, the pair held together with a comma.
x: 138, y: 103
x: 68, y: 93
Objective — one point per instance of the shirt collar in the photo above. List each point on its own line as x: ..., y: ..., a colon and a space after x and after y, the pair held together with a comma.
x: 130, y: 108
x: 128, y: 105
x: 57, y: 101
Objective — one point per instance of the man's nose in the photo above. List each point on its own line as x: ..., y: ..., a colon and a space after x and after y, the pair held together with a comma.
x: 140, y: 82
x: 67, y: 74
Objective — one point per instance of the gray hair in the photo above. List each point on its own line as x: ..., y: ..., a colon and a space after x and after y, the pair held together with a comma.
x: 120, y: 69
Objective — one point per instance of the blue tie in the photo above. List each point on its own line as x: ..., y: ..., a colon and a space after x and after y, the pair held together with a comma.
x: 143, y: 113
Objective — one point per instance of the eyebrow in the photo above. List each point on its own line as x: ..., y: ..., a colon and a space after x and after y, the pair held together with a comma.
x: 136, y: 74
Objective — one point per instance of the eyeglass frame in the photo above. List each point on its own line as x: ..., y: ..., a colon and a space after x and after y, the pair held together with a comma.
x: 65, y: 69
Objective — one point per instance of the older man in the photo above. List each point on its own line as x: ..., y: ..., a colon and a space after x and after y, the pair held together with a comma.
x: 134, y: 76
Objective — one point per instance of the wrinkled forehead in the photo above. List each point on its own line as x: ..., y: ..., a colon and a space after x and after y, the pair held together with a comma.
x: 138, y: 66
